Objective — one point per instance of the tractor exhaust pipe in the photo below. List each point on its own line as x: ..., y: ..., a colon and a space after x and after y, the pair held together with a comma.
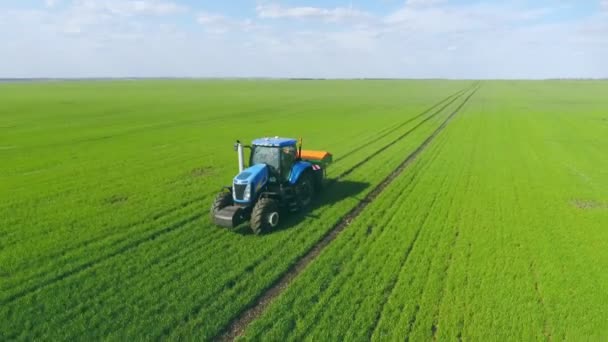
x: 239, y: 150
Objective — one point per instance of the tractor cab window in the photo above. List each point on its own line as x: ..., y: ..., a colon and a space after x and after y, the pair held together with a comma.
x: 266, y: 155
x: 280, y: 159
x: 288, y: 157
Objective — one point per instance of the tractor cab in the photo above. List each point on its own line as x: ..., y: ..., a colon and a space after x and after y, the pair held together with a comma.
x: 279, y: 154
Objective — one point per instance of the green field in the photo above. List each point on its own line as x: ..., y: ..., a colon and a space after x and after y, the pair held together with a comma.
x: 497, y: 230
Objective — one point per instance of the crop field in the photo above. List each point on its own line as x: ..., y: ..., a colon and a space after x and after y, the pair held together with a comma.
x: 453, y: 210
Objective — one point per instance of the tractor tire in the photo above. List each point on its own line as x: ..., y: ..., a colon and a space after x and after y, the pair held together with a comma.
x: 305, y: 190
x: 265, y: 216
x: 319, y: 178
x: 222, y: 200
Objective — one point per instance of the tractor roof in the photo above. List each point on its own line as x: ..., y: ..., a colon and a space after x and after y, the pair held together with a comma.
x: 275, y: 142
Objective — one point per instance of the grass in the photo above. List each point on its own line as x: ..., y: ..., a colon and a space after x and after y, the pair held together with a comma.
x: 105, y: 231
x: 497, y: 230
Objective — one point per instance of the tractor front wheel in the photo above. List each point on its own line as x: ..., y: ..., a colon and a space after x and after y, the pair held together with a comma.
x: 222, y: 200
x: 265, y: 215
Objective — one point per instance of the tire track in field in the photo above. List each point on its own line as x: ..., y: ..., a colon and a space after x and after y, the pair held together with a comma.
x: 453, y: 246
x: 117, y: 230
x: 541, y: 302
x: 238, y: 325
x: 444, y: 279
x: 396, y: 279
x: 176, y: 262
x: 89, y: 264
x: 156, y: 126
x: 120, y: 230
x: 414, y: 317
x: 401, y: 137
x: 393, y: 282
x: 398, y: 126
x: 533, y: 271
x: 357, y: 253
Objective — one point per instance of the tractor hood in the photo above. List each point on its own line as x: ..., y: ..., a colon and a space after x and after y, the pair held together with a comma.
x: 247, y: 183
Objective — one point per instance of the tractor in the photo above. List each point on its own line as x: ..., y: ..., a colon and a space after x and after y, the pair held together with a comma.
x: 281, y: 177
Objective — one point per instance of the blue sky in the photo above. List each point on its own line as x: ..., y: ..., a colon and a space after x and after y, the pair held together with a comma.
x: 289, y: 38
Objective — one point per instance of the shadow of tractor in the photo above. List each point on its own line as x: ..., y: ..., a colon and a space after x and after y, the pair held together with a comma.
x: 333, y: 192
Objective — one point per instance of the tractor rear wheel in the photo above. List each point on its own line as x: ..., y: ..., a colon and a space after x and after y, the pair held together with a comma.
x: 265, y: 216
x: 305, y: 190
x: 222, y: 200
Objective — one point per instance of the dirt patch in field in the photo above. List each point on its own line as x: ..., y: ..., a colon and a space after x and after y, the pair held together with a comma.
x: 116, y: 199
x: 201, y: 171
x: 589, y: 204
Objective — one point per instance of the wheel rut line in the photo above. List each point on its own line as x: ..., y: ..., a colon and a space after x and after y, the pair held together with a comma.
x: 396, y: 279
x: 396, y: 140
x: 84, y: 307
x: 259, y: 305
x: 399, y: 274
x: 120, y: 230
x: 400, y: 125
x: 445, y: 278
x: 357, y: 255
x: 83, y: 267
x: 541, y: 301
x: 414, y: 317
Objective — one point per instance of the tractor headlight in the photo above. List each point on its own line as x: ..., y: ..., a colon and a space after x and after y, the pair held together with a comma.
x: 247, y: 194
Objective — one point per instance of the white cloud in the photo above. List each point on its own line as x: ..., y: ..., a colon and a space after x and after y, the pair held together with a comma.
x: 219, y: 24
x: 461, y: 19
x: 604, y: 4
x: 51, y: 3
x: 437, y: 39
x: 130, y: 8
x: 275, y: 11
x: 104, y: 16
x: 422, y: 38
x: 424, y: 3
x: 210, y: 18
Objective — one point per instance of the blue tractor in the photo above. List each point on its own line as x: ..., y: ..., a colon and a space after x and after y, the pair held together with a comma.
x: 280, y: 178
